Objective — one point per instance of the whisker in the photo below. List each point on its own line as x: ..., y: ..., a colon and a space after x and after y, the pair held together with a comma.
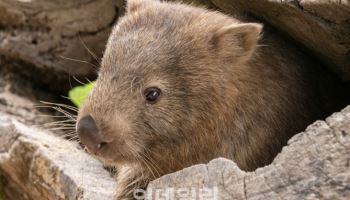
x: 62, y: 128
x: 132, y: 84
x: 91, y: 53
x: 77, y: 60
x: 59, y: 104
x: 77, y: 80
x: 68, y: 136
x: 70, y: 133
x: 61, y: 123
x: 70, y: 82
x: 65, y: 121
x: 151, y: 162
x: 147, y: 164
x: 52, y: 116
x: 73, y: 138
x: 73, y: 117
x: 136, y: 155
x: 60, y: 110
x: 65, y: 97
x: 68, y: 122
x: 58, y: 127
x: 88, y: 80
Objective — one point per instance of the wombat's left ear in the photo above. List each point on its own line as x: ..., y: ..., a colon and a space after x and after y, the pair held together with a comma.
x: 237, y: 41
x: 135, y: 5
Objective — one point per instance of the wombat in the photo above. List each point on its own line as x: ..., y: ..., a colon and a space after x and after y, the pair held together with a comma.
x: 180, y: 85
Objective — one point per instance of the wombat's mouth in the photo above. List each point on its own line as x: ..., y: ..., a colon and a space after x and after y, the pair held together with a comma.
x: 98, y: 150
x: 102, y: 150
x: 111, y: 152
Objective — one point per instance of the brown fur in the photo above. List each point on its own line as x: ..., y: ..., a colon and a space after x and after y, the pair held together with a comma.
x: 223, y: 95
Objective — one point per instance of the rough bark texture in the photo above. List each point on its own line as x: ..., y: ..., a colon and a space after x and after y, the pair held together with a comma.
x: 46, y: 33
x: 314, y: 165
x: 38, y: 165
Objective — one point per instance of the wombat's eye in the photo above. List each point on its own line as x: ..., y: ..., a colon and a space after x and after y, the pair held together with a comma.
x: 152, y: 94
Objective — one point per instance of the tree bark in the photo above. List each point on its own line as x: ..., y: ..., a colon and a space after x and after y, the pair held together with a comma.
x: 37, y: 165
x: 51, y: 34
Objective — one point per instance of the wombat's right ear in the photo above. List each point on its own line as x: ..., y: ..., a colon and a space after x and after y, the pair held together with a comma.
x: 237, y: 42
x: 135, y: 5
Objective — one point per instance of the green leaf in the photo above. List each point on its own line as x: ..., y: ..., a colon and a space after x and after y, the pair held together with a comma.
x: 78, y: 94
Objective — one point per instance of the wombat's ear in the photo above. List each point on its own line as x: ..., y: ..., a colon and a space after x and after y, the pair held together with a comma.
x: 135, y: 5
x: 237, y: 41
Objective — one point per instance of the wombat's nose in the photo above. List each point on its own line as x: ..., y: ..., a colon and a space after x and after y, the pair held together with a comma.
x: 89, y: 134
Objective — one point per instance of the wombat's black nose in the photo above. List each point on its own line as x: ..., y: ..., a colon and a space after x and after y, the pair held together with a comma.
x: 89, y: 134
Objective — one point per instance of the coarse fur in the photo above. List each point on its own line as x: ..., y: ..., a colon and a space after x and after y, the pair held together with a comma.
x: 227, y: 91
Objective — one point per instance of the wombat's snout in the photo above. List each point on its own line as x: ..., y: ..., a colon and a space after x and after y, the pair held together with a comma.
x: 89, y: 134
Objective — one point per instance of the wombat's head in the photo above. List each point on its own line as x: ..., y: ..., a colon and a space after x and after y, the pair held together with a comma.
x: 166, y: 73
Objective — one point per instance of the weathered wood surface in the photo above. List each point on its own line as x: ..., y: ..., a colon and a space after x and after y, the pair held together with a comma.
x: 37, y: 165
x: 46, y: 33
x: 314, y: 165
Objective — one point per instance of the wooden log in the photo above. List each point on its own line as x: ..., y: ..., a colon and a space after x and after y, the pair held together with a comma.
x: 38, y: 165
x: 51, y: 34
